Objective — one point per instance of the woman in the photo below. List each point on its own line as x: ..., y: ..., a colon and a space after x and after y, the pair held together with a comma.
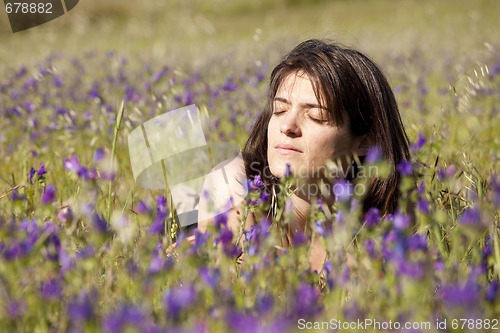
x: 325, y: 103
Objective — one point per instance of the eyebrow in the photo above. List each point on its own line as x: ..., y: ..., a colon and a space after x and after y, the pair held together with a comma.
x: 304, y: 105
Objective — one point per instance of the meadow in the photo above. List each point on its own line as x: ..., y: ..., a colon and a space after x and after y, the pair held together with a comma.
x: 83, y: 248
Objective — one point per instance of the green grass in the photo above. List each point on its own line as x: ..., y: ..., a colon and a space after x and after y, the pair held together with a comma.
x: 427, y: 48
x: 191, y: 32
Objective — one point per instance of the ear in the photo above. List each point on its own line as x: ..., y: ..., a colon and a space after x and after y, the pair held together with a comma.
x: 363, y: 144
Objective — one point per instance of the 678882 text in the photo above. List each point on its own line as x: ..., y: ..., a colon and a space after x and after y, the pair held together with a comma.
x: 28, y: 7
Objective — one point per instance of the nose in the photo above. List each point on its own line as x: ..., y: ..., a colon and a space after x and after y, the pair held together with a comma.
x: 289, y: 125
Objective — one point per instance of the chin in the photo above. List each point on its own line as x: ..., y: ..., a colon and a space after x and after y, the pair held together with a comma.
x: 278, y: 171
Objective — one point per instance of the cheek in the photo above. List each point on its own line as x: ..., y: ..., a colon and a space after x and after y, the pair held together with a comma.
x: 326, y: 146
x: 271, y: 132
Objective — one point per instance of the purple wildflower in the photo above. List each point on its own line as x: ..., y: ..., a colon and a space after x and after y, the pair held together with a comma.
x: 65, y: 214
x: 98, y: 155
x: 99, y: 223
x: 233, y: 251
x: 257, y: 182
x: 339, y: 217
x: 16, y: 196
x: 327, y: 267
x: 158, y: 76
x: 71, y: 163
x: 372, y: 217
x: 86, y: 252
x: 31, y: 174
x: 370, y: 247
x: 444, y: 173
x: 345, y: 275
x: 320, y: 204
x: 132, y: 267
x: 243, y: 323
x: 288, y: 205
x: 225, y: 236
x: 178, y: 299
x: 263, y: 303
x: 401, y: 246
x: 62, y: 111
x: 405, y: 167
x: 439, y: 265
x: 264, y: 196
x: 49, y: 194
x: 210, y: 277
x: 229, y: 85
x: 320, y: 229
x: 155, y: 265
x: 93, y: 93
x: 401, y: 221
x: 487, y: 248
x: 141, y: 207
x: 355, y: 205
x: 419, y: 143
x: 491, y: 292
x: 188, y: 97
x: 161, y: 204
x: 423, y: 205
x: 81, y: 308
x: 125, y: 318
x: 494, y: 71
x: 390, y: 237
x: 92, y: 174
x: 410, y: 269
x: 30, y: 83
x: 53, y: 248
x: 418, y: 242
x: 470, y: 216
x: 343, y: 190
x: 21, y: 72
x: 51, y: 289
x: 299, y: 238
x: 373, y: 155
x: 158, y: 226
x: 83, y: 172
x: 466, y: 295
x: 58, y: 81
x: 41, y: 170
x: 16, y: 309
x: 288, y: 171
x: 11, y: 251
x: 200, y: 238
x: 221, y: 220
x: 306, y: 301
x: 495, y: 188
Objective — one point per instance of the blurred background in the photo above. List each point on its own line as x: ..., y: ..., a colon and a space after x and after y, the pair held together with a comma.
x: 193, y: 31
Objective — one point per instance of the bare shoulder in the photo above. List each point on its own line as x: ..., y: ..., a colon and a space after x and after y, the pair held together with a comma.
x: 224, y: 191
x: 228, y: 175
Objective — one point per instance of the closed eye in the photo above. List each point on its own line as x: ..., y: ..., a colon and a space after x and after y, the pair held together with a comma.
x: 318, y: 115
x: 279, y: 110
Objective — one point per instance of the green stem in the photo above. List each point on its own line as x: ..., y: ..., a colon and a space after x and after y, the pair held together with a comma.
x: 113, y: 152
x: 497, y: 251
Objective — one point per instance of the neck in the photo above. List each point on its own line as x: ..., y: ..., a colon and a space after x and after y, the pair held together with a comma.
x: 300, y: 208
x: 301, y: 201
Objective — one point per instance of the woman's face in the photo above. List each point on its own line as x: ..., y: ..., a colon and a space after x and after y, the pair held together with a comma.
x: 299, y: 133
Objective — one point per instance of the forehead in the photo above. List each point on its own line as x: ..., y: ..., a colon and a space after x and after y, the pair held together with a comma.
x: 298, y: 86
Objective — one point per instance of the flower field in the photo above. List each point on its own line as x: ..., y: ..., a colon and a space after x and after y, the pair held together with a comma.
x: 83, y: 248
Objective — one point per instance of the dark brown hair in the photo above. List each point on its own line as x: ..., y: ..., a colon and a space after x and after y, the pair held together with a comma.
x: 348, y: 83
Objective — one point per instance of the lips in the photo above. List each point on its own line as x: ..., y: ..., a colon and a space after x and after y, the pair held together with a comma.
x: 283, y: 147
